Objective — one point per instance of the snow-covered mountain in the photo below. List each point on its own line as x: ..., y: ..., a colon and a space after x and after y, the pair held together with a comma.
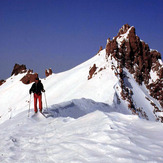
x: 120, y: 75
x: 91, y: 109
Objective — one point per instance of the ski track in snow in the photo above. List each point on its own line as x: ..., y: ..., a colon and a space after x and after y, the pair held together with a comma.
x: 94, y: 137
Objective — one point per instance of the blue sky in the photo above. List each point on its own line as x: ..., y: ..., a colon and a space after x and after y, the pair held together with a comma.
x: 61, y: 34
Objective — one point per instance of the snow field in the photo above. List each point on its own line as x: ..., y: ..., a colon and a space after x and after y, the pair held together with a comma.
x: 87, y: 121
x: 96, y: 137
x: 74, y: 84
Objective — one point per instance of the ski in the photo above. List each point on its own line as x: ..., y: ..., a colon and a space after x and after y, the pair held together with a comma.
x: 43, y: 114
x: 38, y: 115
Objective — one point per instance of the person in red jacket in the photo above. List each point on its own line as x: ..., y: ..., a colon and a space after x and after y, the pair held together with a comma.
x: 37, y: 88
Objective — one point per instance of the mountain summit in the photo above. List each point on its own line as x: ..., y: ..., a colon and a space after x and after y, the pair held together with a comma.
x: 127, y: 76
x: 144, y: 64
x: 103, y: 110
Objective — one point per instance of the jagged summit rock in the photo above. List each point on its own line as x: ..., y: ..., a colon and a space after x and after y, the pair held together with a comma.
x: 124, y: 29
x: 127, y: 76
x: 134, y: 54
x: 18, y: 69
x: 28, y: 77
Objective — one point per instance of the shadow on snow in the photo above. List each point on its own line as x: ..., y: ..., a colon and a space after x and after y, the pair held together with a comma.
x: 77, y: 108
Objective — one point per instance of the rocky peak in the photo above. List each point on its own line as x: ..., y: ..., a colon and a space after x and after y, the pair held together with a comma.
x: 18, y: 69
x: 135, y: 55
x: 124, y: 29
x: 28, y: 77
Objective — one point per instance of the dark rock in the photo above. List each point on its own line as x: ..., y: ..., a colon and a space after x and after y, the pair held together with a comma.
x: 160, y: 73
x: 156, y: 90
x: 2, y: 81
x: 124, y: 29
x: 19, y: 69
x: 111, y: 47
x: 100, y: 49
x: 130, y: 52
x: 92, y: 71
x: 155, y: 55
x: 48, y: 72
x: 29, y: 77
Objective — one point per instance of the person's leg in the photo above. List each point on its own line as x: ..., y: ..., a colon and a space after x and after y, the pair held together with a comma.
x: 40, y: 102
x: 35, y: 102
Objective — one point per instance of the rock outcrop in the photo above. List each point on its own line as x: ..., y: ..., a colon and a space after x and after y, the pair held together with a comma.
x: 2, y: 81
x: 29, y: 76
x: 18, y: 69
x: 101, y: 48
x: 48, y: 72
x: 92, y: 71
x: 135, y: 55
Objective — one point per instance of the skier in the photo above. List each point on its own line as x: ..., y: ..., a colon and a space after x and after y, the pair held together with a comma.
x: 37, y: 88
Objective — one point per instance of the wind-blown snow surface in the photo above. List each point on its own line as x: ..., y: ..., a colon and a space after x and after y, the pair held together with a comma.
x: 62, y: 87
x: 87, y: 121
x: 74, y: 84
x: 95, y: 137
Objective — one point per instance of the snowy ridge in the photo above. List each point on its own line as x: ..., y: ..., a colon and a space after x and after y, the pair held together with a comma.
x: 95, y: 137
x: 74, y: 84
x: 14, y: 97
x: 86, y: 120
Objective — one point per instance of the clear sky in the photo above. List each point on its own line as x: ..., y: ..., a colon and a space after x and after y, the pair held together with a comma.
x: 61, y: 34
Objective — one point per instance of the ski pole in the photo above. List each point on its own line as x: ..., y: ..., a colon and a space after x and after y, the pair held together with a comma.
x: 46, y: 101
x: 29, y: 105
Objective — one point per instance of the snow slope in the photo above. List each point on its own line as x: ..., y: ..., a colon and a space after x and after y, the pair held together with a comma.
x: 62, y: 87
x: 74, y: 84
x: 87, y: 120
x: 93, y: 137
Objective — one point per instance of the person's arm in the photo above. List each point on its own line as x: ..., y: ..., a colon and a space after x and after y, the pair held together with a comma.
x: 32, y: 89
x: 42, y: 88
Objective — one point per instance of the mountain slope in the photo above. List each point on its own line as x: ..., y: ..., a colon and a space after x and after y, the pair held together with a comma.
x: 104, y: 86
x: 144, y: 64
x: 94, y: 137
x: 95, y: 111
x: 72, y: 84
